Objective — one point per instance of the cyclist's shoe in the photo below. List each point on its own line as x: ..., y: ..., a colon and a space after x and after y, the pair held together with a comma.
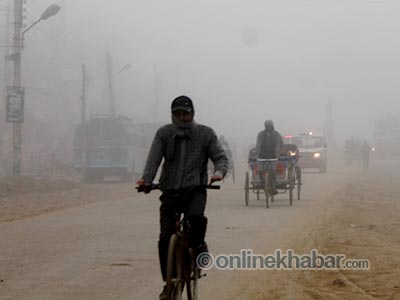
x: 164, y: 294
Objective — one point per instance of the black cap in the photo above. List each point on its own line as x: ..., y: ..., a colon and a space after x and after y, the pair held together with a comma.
x: 182, y: 103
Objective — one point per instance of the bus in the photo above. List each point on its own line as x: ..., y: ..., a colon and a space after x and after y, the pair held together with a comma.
x: 115, y: 148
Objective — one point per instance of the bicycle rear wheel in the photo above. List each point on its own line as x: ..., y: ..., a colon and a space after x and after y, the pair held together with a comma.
x: 175, y: 281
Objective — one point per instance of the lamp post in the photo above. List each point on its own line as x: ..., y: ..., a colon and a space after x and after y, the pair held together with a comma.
x: 124, y: 68
x: 15, y: 93
x: 51, y: 11
x: 110, y: 78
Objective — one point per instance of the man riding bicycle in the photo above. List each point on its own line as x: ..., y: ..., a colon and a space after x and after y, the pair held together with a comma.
x: 185, y: 147
x: 269, y: 145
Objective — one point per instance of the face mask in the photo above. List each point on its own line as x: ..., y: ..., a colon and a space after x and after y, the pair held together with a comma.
x: 181, y: 124
x: 269, y: 128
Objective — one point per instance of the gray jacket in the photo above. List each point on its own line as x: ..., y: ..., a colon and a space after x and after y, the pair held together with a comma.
x: 269, y: 145
x: 185, y: 153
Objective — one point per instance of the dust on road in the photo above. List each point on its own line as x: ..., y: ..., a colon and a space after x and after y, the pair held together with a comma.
x: 362, y: 223
x: 103, y: 245
x: 359, y: 218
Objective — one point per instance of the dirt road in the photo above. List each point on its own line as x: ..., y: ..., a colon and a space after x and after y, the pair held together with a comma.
x: 107, y: 249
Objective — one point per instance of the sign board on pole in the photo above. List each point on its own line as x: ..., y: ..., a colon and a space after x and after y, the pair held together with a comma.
x: 15, y: 104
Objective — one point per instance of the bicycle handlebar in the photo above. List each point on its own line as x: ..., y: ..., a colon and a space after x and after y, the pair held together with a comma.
x: 141, y: 189
x: 267, y: 159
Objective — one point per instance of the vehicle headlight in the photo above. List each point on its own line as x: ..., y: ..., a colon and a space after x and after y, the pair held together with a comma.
x: 317, y: 155
x: 292, y: 153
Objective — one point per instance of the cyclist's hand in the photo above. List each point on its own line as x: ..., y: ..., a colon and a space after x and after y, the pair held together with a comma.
x: 140, y: 182
x: 215, y: 178
x: 142, y: 186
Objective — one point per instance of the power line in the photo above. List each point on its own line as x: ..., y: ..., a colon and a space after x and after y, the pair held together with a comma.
x: 58, y: 41
x: 68, y: 83
x: 57, y: 62
x: 57, y: 30
x: 72, y: 52
x: 60, y: 34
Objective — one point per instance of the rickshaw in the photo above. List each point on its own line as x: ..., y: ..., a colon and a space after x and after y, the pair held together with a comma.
x: 352, y: 150
x: 288, y: 175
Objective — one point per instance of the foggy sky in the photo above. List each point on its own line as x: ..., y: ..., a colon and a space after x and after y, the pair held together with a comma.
x: 241, y: 62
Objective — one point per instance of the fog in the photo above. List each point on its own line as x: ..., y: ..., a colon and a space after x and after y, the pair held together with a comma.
x: 241, y: 62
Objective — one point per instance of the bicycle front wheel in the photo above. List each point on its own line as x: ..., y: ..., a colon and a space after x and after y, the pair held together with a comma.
x: 175, y: 281
x: 233, y: 171
x: 192, y: 281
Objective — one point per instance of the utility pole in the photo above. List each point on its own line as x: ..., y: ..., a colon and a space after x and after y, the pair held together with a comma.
x: 159, y: 87
x: 15, y: 93
x: 5, y: 148
x: 84, y: 132
x: 6, y: 41
x: 16, y: 56
x: 110, y: 83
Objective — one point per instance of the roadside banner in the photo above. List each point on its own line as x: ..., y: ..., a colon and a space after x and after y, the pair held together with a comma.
x: 15, y: 104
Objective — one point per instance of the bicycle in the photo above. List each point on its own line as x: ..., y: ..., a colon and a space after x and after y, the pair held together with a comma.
x: 266, y: 178
x: 182, y: 269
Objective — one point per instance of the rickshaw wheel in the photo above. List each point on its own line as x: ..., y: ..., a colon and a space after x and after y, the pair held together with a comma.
x: 299, y: 183
x: 246, y: 189
x: 291, y: 185
x: 266, y: 189
x: 298, y: 190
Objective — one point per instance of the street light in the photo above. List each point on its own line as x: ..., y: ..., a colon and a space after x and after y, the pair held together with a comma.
x: 110, y: 77
x: 51, y: 11
x: 15, y: 96
x: 124, y: 68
